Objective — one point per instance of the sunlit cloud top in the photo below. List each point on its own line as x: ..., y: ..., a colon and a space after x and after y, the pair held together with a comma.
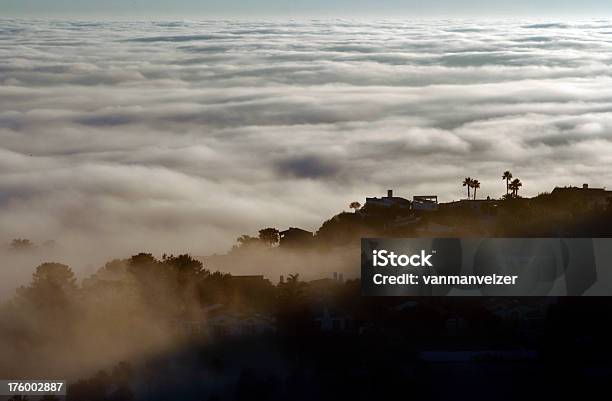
x: 179, y: 136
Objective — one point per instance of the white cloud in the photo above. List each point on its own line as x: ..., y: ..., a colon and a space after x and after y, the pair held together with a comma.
x: 174, y: 137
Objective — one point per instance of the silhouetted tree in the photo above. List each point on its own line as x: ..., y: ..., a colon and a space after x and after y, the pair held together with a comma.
x: 54, y: 273
x: 157, y: 282
x: 185, y: 264
x: 515, y: 185
x: 215, y: 288
x: 52, y: 286
x: 507, y: 176
x: 292, y: 289
x: 115, y: 267
x: 467, y: 182
x: 142, y: 260
x: 475, y: 185
x: 270, y: 236
x: 355, y: 206
x: 293, y: 311
x: 50, y: 302
x: 143, y: 266
x: 95, y: 388
x: 184, y: 273
x: 21, y: 244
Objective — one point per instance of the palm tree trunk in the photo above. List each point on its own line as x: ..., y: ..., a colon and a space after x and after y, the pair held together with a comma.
x: 468, y: 191
x: 507, y: 185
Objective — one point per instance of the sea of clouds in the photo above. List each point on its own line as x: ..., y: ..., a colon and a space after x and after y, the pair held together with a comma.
x: 179, y: 136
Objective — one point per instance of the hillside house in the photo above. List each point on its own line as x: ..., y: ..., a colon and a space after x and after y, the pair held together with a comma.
x: 425, y: 203
x: 590, y: 198
x: 388, y: 201
x: 295, y: 237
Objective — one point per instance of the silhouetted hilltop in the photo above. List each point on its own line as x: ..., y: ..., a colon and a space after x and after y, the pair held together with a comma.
x: 566, y: 211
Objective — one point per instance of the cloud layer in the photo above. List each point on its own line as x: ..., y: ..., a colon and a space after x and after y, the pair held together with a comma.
x: 179, y: 136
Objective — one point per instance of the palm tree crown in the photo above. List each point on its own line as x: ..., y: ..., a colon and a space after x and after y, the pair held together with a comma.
x: 475, y: 185
x: 515, y: 185
x: 507, y: 176
x: 467, y: 182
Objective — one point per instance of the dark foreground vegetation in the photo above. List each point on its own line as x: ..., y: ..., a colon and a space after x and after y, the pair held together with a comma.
x: 176, y: 327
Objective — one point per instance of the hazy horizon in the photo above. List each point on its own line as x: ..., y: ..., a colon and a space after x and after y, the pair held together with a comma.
x: 306, y: 9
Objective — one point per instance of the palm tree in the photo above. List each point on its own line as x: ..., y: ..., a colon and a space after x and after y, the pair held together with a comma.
x: 355, y: 205
x: 467, y: 182
x: 292, y: 289
x: 507, y: 176
x: 475, y: 185
x: 512, y: 188
x: 515, y: 185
